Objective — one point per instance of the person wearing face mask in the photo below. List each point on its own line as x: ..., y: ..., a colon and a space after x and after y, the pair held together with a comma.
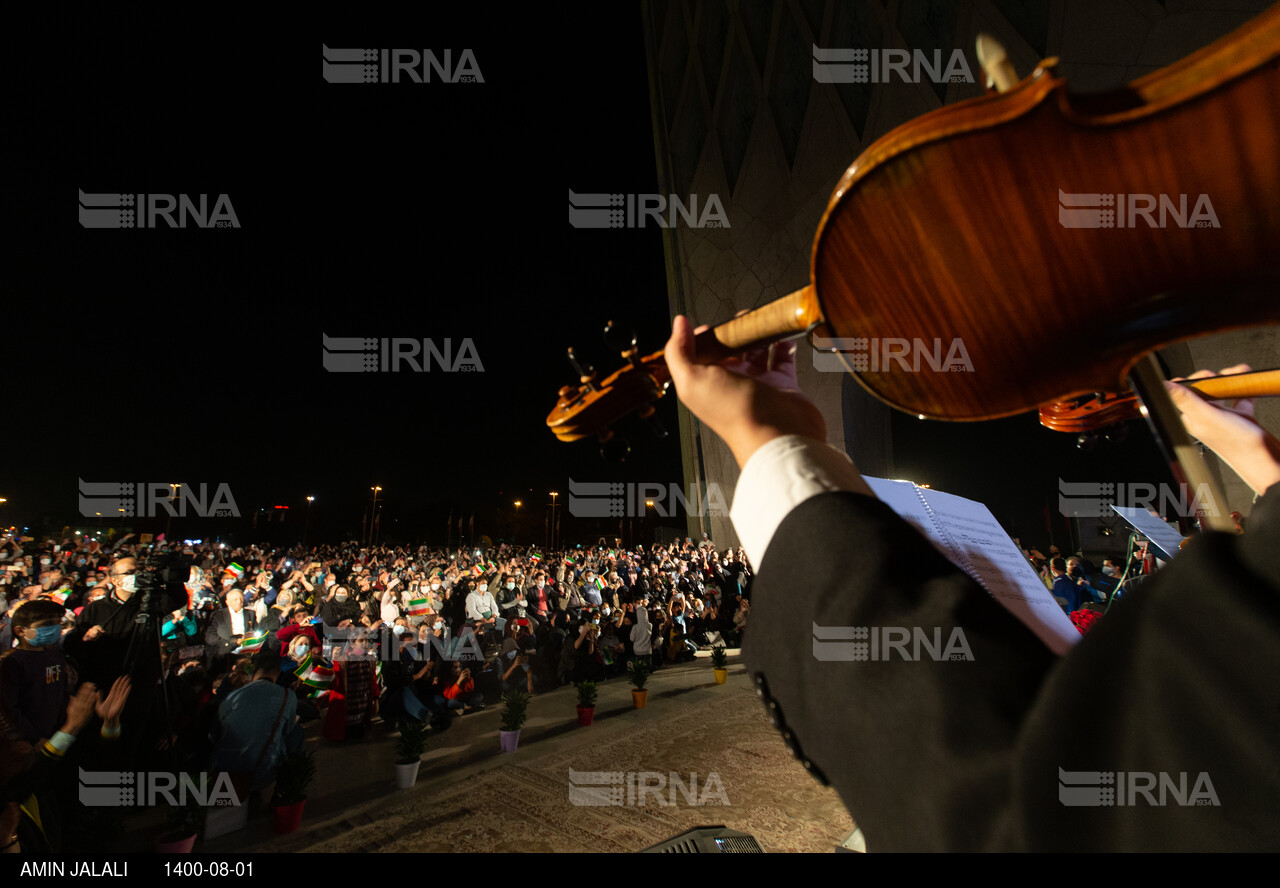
x: 35, y: 682
x: 481, y: 606
x: 105, y: 627
x: 514, y: 604
x: 295, y: 655
x: 540, y: 601
x: 340, y: 609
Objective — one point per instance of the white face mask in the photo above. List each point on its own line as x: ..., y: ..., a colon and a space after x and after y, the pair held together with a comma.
x: 439, y: 625
x: 541, y: 584
x: 435, y: 587
x: 129, y: 584
x: 1109, y: 571
x: 511, y: 585
x: 605, y: 611
x: 46, y: 561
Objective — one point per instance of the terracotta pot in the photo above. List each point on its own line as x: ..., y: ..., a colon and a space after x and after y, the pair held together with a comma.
x: 288, y: 817
x: 172, y: 843
x: 722, y: 675
x: 585, y: 715
x: 407, y: 774
x: 639, y: 697
x: 508, y: 740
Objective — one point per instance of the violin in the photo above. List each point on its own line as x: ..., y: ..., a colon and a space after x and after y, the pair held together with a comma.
x: 1147, y: 215
x: 1089, y: 412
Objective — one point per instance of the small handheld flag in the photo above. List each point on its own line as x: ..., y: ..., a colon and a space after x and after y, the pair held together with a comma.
x: 251, y: 643
x: 316, y: 675
x: 419, y: 606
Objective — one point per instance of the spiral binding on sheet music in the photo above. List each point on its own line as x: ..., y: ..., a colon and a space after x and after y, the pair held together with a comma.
x: 959, y: 558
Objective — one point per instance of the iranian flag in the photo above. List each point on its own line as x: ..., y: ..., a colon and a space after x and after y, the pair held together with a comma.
x: 234, y: 570
x: 59, y: 595
x: 535, y: 557
x: 477, y: 569
x: 251, y: 643
x: 569, y: 560
x: 599, y: 583
x: 315, y: 674
x: 419, y: 606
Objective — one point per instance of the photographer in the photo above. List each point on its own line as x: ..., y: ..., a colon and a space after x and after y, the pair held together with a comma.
x: 105, y: 627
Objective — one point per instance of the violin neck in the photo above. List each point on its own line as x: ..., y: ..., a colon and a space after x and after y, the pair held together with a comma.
x: 793, y: 315
x: 1258, y: 384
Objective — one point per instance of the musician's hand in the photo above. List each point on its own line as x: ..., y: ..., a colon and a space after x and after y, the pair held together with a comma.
x: 1230, y: 431
x: 746, y: 401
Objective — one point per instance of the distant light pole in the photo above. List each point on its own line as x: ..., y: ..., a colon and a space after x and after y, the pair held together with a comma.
x: 307, y: 526
x: 553, y: 518
x: 173, y: 496
x: 373, y: 514
x: 515, y: 530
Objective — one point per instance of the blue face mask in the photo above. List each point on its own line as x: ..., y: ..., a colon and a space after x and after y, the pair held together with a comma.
x: 301, y: 650
x: 46, y: 635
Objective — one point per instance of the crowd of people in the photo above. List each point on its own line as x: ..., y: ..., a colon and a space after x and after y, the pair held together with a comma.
x: 217, y: 657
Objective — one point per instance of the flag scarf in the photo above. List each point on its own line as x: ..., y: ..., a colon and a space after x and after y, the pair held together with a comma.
x: 316, y: 675
x: 419, y: 606
x: 251, y: 643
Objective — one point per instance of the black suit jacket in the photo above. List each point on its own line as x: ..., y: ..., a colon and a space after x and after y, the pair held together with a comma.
x: 218, y: 635
x: 984, y: 754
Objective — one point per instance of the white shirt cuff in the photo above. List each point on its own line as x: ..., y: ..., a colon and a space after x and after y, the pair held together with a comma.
x: 780, y: 476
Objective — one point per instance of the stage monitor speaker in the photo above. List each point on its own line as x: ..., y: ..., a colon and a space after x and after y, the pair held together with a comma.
x: 708, y: 840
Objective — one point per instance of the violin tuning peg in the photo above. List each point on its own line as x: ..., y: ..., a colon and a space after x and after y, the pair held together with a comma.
x: 619, y: 338
x: 586, y: 373
x: 1087, y: 442
x: 1116, y: 434
x: 654, y: 423
x: 614, y: 448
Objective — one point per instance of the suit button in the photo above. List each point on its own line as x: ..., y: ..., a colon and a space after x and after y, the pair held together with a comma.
x: 775, y: 715
x: 815, y: 771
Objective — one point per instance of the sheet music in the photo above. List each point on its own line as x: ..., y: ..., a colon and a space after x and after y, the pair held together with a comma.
x: 1162, y: 536
x: 970, y: 537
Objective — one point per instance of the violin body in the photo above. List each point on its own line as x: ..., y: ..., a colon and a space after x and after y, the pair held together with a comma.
x: 961, y: 225
x: 1024, y: 247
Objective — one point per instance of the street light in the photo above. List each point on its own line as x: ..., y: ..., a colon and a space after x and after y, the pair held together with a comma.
x: 373, y: 515
x: 173, y: 495
x: 553, y: 495
x: 307, y: 526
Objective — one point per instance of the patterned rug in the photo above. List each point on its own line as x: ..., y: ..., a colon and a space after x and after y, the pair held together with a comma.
x: 719, y: 747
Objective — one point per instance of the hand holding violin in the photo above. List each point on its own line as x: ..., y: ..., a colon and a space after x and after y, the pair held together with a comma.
x: 1231, y: 432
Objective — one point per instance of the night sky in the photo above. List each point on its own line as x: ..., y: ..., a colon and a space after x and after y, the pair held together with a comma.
x: 405, y: 210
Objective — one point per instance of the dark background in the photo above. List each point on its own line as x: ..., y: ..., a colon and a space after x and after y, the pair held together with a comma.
x: 412, y: 210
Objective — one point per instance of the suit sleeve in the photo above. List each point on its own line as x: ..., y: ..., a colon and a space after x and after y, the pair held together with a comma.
x: 970, y: 753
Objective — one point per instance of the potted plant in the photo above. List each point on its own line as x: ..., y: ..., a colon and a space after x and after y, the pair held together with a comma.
x: 720, y: 664
x: 293, y: 776
x: 638, y: 673
x: 586, y: 702
x: 184, y: 823
x: 413, y: 739
x: 515, y: 703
